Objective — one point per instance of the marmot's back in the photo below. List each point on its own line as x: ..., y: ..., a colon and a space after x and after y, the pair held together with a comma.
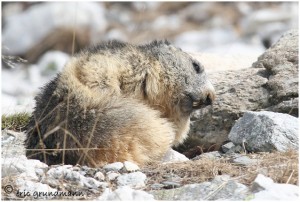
x: 116, y: 102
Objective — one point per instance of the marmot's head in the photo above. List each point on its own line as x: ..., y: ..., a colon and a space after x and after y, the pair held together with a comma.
x: 182, y: 79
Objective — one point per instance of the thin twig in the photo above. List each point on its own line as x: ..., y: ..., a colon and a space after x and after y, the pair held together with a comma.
x: 288, y: 180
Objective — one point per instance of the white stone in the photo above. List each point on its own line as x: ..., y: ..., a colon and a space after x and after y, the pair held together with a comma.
x: 113, y: 166
x: 111, y: 175
x: 147, y: 5
x: 174, y: 156
x: 134, y: 180
x: 125, y: 193
x: 39, y: 20
x: 173, y: 22
x: 99, y: 176
x: 55, y: 175
x: 116, y: 34
x: 266, y: 189
x: 52, y: 62
x: 34, y: 188
x: 266, y: 131
x: 21, y: 166
x: 129, y: 166
x: 7, y: 137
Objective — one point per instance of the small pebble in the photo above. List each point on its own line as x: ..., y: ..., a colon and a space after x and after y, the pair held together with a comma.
x: 210, y: 155
x: 243, y: 160
x: 99, y: 176
x: 226, y: 147
x: 170, y: 185
x: 156, y: 186
x: 111, y: 175
x: 130, y: 167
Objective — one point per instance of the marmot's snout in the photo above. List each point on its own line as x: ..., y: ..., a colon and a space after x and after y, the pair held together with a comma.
x: 207, y: 97
x: 207, y: 100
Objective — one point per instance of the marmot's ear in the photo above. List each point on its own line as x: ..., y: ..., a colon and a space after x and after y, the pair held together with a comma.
x: 150, y: 85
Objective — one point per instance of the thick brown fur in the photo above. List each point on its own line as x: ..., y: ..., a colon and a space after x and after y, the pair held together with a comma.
x: 117, y: 102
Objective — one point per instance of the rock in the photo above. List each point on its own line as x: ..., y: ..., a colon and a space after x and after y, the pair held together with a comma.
x: 220, y: 188
x: 156, y: 186
x: 173, y: 156
x: 99, y: 176
x: 266, y: 131
x: 209, y: 155
x: 52, y: 62
x: 65, y: 173
x: 111, y: 175
x: 239, y: 159
x: 173, y: 22
x: 289, y: 107
x: 237, y: 149
x: 148, y: 6
x: 116, y: 34
x: 271, y: 83
x: 170, y: 184
x: 7, y: 137
x: 231, y: 149
x: 237, y: 90
x: 134, y: 180
x: 42, y: 19
x: 265, y: 189
x: 21, y: 166
x: 12, y: 144
x: 198, y: 12
x: 226, y: 147
x: 33, y: 189
x: 113, y: 166
x: 129, y: 166
x: 281, y: 63
x: 270, y: 23
x: 125, y: 193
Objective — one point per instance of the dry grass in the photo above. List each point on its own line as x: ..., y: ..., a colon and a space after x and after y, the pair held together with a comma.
x: 281, y: 167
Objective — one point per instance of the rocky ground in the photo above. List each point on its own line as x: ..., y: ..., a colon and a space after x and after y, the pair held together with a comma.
x: 244, y: 147
x: 229, y: 174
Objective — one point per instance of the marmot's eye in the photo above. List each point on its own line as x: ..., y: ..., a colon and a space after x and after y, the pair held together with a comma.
x: 198, y: 68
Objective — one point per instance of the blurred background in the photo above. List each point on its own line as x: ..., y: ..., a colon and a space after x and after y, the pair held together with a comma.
x: 38, y: 38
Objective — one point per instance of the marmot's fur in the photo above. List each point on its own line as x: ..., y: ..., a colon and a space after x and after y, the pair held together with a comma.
x: 117, y: 102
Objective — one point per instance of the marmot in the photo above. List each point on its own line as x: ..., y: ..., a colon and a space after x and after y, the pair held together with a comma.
x: 115, y: 102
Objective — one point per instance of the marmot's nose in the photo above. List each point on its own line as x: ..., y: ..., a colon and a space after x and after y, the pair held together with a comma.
x: 210, y: 98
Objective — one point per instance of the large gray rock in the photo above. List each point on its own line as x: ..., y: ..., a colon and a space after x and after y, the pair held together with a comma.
x: 271, y: 84
x: 266, y: 131
x: 281, y: 63
x: 237, y: 91
x: 220, y: 188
